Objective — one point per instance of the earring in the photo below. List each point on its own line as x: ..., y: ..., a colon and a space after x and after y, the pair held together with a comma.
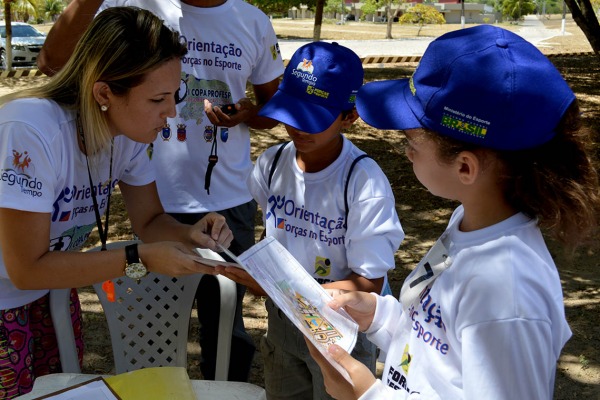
x: 104, y: 107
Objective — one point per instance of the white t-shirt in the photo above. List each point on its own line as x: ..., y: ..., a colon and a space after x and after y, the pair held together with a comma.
x: 43, y: 170
x: 306, y: 213
x: 228, y: 46
x: 490, y: 326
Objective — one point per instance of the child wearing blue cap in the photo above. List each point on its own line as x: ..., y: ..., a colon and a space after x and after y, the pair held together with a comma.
x: 492, y: 124
x: 331, y: 208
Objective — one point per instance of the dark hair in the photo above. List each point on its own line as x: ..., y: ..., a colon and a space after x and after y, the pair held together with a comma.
x: 556, y: 182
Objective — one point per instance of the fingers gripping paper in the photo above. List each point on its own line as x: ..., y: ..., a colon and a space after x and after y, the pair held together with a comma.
x: 300, y: 297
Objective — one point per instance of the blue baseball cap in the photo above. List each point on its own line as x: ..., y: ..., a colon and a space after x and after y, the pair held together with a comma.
x: 483, y: 85
x: 320, y: 81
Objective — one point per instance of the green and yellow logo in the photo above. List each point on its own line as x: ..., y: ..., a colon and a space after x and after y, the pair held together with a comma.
x: 463, y: 126
x: 406, y: 359
x: 316, y: 92
x: 322, y: 266
x: 411, y: 81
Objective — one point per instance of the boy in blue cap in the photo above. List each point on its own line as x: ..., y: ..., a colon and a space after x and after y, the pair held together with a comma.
x: 338, y: 219
x: 490, y: 123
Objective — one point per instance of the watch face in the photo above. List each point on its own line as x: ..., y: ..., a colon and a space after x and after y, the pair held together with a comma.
x: 136, y: 270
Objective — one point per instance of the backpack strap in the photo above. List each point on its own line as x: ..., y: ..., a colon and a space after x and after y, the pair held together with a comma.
x: 357, y: 159
x: 275, y: 160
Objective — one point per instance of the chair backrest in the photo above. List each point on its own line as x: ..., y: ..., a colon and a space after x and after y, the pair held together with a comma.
x: 60, y: 312
x: 149, y: 321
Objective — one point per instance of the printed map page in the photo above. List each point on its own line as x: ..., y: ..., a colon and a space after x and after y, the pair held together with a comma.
x: 302, y: 299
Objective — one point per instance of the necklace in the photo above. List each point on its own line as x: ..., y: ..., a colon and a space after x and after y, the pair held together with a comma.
x: 102, y: 230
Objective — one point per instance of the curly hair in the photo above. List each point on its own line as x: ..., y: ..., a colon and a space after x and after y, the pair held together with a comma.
x: 556, y: 182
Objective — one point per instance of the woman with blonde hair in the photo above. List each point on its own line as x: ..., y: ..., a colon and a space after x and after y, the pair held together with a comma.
x: 64, y: 147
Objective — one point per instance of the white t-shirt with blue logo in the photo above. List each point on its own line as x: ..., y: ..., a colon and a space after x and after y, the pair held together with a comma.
x: 43, y: 170
x: 306, y: 213
x: 228, y: 46
x: 490, y: 326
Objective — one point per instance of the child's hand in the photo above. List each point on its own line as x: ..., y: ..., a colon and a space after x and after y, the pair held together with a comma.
x: 242, y: 277
x: 360, y: 305
x: 335, y: 384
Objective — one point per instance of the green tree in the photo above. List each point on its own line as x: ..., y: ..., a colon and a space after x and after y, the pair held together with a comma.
x: 23, y: 9
x: 516, y: 9
x: 545, y: 7
x: 280, y: 6
x: 421, y: 14
x: 370, y: 7
x: 53, y: 8
x: 333, y: 6
x: 392, y: 8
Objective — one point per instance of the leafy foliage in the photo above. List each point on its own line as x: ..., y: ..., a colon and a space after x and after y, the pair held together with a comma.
x: 280, y: 6
x: 516, y: 9
x: 35, y: 11
x: 53, y: 8
x: 421, y: 14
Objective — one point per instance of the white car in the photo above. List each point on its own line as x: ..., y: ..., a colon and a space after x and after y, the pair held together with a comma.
x: 26, y: 43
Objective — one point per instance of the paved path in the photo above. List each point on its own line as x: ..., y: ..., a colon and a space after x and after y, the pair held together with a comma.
x: 532, y: 30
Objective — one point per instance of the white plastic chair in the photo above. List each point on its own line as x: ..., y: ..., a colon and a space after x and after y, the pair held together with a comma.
x: 148, y: 322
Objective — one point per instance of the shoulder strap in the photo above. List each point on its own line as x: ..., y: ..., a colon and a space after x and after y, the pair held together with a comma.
x: 275, y: 160
x: 357, y: 159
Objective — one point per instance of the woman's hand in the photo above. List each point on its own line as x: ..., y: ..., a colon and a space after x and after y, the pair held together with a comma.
x: 336, y: 385
x: 210, y: 230
x: 172, y: 259
x: 360, y: 305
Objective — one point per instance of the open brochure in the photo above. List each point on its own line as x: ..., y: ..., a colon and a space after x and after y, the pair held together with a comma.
x: 94, y: 389
x: 302, y: 299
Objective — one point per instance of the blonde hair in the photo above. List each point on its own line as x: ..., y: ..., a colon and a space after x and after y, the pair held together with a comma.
x: 121, y: 45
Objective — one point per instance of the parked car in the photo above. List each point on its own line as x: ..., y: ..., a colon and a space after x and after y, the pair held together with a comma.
x: 384, y: 19
x: 26, y: 43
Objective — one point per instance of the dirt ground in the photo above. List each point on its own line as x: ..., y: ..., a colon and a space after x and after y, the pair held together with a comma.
x: 423, y: 216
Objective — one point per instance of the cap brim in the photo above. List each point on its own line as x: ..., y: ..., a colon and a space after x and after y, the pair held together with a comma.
x: 302, y: 115
x: 384, y: 105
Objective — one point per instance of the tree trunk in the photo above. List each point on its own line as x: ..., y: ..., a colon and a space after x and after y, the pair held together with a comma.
x: 584, y: 16
x: 8, y: 49
x: 390, y: 21
x: 318, y: 20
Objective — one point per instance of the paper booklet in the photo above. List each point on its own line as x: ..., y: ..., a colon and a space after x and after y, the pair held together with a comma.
x: 302, y: 299
x: 157, y: 383
x: 94, y: 389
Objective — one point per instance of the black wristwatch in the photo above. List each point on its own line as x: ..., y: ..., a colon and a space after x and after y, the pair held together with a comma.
x: 134, y: 268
